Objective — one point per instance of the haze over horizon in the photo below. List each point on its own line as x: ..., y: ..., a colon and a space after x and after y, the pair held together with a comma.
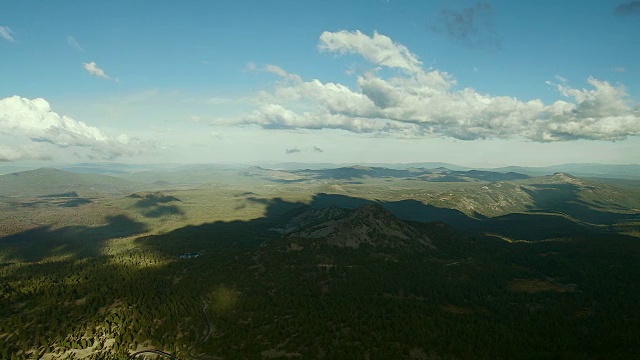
x: 473, y: 83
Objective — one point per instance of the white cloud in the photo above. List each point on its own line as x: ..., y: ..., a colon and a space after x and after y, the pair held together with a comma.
x: 422, y: 103
x: 599, y: 114
x: 71, y: 41
x: 6, y: 33
x: 378, y: 49
x: 274, y: 69
x: 331, y: 97
x: 28, y: 122
x: 23, y: 152
x: 274, y: 116
x: 35, y: 119
x: 93, y: 69
x: 560, y: 79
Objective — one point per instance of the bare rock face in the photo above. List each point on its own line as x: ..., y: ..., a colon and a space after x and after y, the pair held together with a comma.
x: 368, y: 224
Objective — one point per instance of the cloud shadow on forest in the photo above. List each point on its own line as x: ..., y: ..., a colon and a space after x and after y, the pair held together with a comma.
x: 74, y: 241
x: 565, y: 199
x: 155, y: 205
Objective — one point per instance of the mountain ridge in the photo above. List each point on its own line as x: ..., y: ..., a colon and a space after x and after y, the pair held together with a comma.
x: 50, y: 181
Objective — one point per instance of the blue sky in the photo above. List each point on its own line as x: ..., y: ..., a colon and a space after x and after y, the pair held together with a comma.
x: 480, y: 83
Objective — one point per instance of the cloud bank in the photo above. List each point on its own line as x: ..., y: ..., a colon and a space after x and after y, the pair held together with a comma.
x: 32, y: 126
x: 415, y: 103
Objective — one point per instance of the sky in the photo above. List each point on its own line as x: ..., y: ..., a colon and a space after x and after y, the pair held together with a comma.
x: 475, y: 83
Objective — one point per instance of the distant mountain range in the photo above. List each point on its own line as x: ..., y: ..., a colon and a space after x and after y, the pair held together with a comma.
x: 628, y: 171
x: 357, y: 172
x: 51, y: 182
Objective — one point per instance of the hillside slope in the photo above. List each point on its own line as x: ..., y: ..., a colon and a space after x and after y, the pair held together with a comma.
x: 368, y: 224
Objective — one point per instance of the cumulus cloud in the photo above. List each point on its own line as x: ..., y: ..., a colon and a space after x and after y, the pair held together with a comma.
x: 471, y: 26
x: 601, y: 113
x: 71, y: 41
x: 418, y: 103
x: 6, y: 33
x: 94, y: 70
x: 628, y: 8
x: 275, y: 116
x: 33, y: 122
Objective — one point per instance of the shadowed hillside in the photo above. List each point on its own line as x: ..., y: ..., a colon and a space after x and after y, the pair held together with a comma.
x: 76, y: 242
x: 366, y: 225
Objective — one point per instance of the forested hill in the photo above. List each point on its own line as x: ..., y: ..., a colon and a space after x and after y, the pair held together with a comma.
x: 371, y: 225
